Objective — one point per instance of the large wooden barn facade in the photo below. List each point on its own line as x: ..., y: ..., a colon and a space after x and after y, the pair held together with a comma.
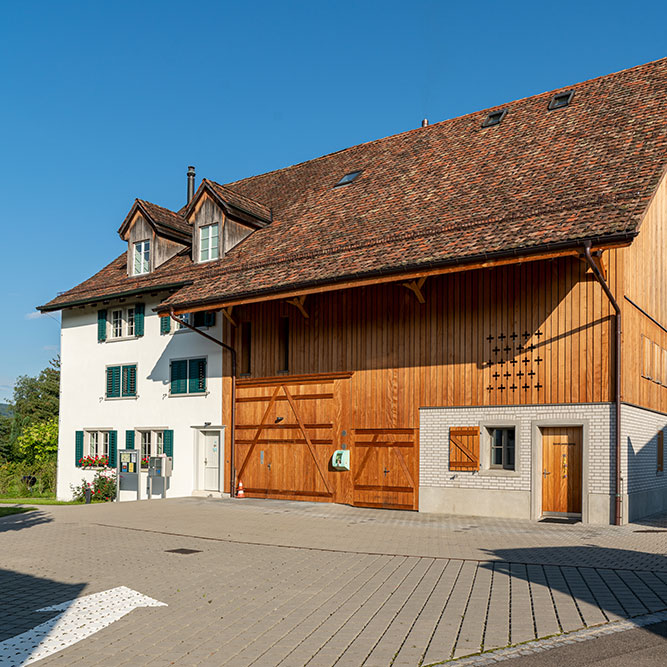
x: 446, y: 306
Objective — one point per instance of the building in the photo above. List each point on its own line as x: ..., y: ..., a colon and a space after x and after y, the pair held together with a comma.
x: 469, y: 308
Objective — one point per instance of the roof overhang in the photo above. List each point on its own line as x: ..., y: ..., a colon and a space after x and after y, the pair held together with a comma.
x: 161, y: 228
x: 473, y: 262
x: 115, y: 295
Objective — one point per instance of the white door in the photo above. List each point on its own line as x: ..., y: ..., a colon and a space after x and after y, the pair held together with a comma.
x: 212, y: 461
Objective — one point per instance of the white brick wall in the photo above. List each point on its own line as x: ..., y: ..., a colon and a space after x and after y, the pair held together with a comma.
x: 434, y: 443
x: 639, y: 442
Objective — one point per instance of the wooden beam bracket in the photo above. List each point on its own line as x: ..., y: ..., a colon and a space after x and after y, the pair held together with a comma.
x: 227, y: 312
x: 415, y: 286
x: 298, y: 302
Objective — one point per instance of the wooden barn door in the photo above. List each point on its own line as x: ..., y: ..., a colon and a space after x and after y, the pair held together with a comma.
x: 561, y: 470
x: 385, y: 468
x: 285, y: 437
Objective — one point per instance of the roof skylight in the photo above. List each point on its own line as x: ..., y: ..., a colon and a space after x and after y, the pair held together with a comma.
x: 348, y: 178
x: 494, y: 118
x: 560, y: 100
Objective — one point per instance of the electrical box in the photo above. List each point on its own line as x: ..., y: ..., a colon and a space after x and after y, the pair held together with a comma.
x: 341, y: 459
x: 159, y: 466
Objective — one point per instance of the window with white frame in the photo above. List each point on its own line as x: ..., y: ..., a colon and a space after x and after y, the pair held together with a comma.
x: 503, y: 445
x: 152, y: 444
x: 97, y: 446
x: 142, y: 257
x: 122, y: 323
x: 208, y: 242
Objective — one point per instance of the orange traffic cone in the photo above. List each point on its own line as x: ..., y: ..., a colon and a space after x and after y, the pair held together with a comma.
x: 239, y: 491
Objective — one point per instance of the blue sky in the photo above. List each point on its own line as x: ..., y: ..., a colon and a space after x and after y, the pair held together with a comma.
x: 105, y: 102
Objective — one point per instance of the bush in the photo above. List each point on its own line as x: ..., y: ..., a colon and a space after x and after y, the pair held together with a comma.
x: 102, y: 488
x: 15, y: 478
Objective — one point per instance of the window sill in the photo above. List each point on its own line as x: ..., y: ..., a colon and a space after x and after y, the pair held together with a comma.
x: 189, y: 395
x: 187, y: 330
x: 120, y: 339
x: 498, y: 472
x: 121, y: 398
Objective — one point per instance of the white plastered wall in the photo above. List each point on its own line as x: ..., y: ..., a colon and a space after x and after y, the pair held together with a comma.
x: 82, y: 391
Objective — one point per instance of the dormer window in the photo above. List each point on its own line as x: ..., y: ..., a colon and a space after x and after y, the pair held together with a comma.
x: 208, y: 242
x: 142, y: 257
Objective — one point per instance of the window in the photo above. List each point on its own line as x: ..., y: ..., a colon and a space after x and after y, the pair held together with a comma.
x: 142, y: 257
x: 121, y: 381
x: 152, y: 444
x: 561, y: 100
x: 494, y: 118
x: 98, y: 443
x: 246, y: 348
x: 283, y: 344
x: 502, y: 448
x: 208, y: 243
x: 188, y: 376
x: 122, y: 323
x: 348, y: 178
x: 199, y: 320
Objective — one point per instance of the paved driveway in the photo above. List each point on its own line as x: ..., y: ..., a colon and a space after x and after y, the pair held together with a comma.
x: 276, y: 583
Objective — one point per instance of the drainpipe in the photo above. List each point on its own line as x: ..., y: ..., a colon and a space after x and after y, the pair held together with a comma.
x: 232, y: 351
x: 617, y: 308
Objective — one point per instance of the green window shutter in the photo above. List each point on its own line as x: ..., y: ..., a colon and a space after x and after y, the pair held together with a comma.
x: 169, y: 443
x: 179, y: 376
x: 113, y: 381
x: 209, y: 319
x: 113, y: 446
x: 130, y: 380
x: 139, y: 319
x: 165, y: 325
x: 78, y: 448
x: 101, y: 325
x: 129, y: 439
x: 197, y: 375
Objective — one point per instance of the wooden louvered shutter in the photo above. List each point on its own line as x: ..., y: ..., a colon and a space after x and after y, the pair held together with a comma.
x: 661, y: 451
x: 165, y: 325
x: 179, y: 376
x: 101, y: 325
x: 169, y: 444
x: 139, y: 319
x: 464, y: 448
x: 78, y: 448
x: 197, y: 376
x: 113, y: 447
x: 209, y: 318
x: 130, y: 380
x: 129, y: 439
x: 113, y: 381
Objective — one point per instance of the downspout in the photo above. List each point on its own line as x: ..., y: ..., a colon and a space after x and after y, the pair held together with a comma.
x: 617, y: 308
x: 232, y: 351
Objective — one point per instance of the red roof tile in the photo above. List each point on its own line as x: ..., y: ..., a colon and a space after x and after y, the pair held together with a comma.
x: 448, y: 192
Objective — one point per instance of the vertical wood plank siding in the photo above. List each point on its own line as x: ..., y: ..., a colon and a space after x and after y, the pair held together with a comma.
x: 508, y: 336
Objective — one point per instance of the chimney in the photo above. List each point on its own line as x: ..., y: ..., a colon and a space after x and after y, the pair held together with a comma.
x: 425, y: 122
x: 191, y: 183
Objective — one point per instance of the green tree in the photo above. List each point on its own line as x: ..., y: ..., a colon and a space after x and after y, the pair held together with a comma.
x: 39, y: 441
x: 35, y: 401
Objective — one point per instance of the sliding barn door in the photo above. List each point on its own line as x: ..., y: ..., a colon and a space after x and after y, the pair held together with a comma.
x: 286, y: 434
x: 386, y: 467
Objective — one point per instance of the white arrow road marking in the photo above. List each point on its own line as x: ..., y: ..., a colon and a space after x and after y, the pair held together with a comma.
x: 80, y: 618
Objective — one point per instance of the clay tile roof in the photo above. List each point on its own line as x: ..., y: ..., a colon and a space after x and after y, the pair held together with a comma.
x: 241, y: 202
x: 166, y: 221
x: 454, y: 191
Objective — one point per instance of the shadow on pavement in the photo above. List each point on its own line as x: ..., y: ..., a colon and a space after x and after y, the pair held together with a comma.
x: 25, y: 520
x: 619, y: 583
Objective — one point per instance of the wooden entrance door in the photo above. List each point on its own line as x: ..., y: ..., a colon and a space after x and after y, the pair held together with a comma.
x: 561, y: 470
x: 211, y: 462
x: 385, y: 468
x: 286, y: 434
